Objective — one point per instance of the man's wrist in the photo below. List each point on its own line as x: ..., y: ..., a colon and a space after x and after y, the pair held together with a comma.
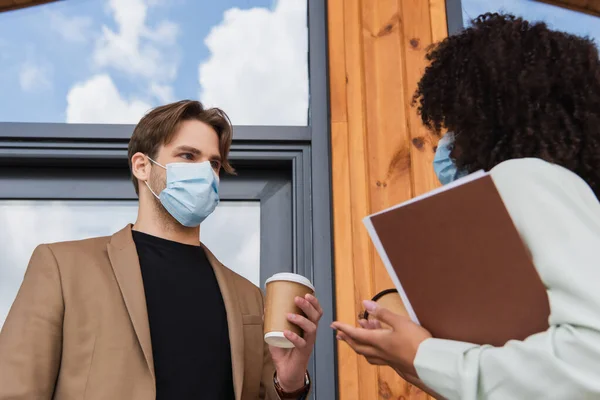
x: 291, y: 385
x: 292, y: 389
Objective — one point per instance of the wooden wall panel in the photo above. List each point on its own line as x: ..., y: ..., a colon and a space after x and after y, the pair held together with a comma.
x: 416, y: 37
x: 10, y: 5
x: 381, y: 155
x: 585, y: 6
x: 387, y: 139
x: 362, y: 252
x: 439, y: 24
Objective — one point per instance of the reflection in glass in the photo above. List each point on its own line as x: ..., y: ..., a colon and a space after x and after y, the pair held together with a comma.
x: 559, y: 18
x: 232, y: 233
x: 108, y: 61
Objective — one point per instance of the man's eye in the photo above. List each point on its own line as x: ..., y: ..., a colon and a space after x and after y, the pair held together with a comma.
x: 187, y: 156
x: 216, y: 165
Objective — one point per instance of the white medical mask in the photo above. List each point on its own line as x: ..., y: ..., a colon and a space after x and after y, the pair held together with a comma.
x: 192, y: 191
x: 444, y: 166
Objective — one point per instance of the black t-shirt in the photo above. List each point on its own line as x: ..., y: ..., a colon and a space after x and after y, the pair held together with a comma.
x: 188, y: 321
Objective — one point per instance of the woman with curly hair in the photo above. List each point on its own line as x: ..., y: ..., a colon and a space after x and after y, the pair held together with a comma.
x: 523, y: 102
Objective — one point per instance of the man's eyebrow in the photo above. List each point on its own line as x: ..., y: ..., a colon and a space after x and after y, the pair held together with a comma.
x: 195, y: 151
x: 188, y: 149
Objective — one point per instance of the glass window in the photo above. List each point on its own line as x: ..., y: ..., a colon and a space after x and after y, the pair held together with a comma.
x: 109, y: 61
x: 232, y: 233
x: 556, y: 17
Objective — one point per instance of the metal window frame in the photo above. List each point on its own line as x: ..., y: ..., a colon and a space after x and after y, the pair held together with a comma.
x: 454, y: 16
x: 321, y: 224
x: 52, y: 179
x: 272, y: 189
x: 305, y: 149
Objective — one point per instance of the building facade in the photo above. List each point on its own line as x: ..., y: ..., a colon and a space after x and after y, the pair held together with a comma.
x: 319, y: 93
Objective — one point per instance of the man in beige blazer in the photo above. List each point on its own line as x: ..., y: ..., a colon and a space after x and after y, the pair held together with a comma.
x: 149, y: 313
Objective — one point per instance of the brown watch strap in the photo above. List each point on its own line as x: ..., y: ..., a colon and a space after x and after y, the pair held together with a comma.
x: 295, y: 394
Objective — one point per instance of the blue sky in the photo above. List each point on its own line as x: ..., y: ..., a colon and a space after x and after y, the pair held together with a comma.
x: 556, y: 17
x: 102, y: 61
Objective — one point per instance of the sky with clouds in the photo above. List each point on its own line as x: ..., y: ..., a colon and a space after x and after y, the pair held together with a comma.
x: 109, y: 61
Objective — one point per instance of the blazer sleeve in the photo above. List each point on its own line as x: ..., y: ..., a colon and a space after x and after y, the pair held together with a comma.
x: 31, y: 338
x: 558, y: 217
x: 267, y: 384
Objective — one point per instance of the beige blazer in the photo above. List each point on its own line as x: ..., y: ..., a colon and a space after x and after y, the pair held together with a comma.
x: 78, y: 328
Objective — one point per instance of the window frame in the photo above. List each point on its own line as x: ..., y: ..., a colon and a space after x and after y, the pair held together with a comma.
x: 454, y: 17
x: 272, y: 189
x: 304, y: 149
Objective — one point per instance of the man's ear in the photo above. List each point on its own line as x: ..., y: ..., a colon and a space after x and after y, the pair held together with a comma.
x: 140, y: 167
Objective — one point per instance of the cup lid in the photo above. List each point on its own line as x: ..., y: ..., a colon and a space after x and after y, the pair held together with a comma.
x: 290, y: 277
x: 277, y: 339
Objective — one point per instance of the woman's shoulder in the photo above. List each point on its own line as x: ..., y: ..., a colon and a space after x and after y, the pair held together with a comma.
x: 524, y: 168
x: 536, y: 192
x: 533, y: 176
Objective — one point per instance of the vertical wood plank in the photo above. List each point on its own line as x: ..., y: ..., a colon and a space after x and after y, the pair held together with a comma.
x: 439, y: 21
x: 337, y: 61
x: 348, y: 378
x: 381, y: 155
x: 387, y: 139
x: 416, y: 36
x: 359, y: 174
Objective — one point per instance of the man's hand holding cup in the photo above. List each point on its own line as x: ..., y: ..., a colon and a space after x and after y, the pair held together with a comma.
x: 292, y: 315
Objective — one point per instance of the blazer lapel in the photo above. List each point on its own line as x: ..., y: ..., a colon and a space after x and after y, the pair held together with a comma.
x: 234, y: 322
x: 126, y: 266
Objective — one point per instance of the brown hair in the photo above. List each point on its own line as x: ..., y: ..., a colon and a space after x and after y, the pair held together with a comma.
x: 158, y: 127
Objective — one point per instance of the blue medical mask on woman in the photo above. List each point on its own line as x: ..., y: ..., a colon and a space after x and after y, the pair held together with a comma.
x: 192, y: 191
x: 444, y: 166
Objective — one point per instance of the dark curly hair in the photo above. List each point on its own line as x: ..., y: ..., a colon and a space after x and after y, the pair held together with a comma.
x: 509, y: 89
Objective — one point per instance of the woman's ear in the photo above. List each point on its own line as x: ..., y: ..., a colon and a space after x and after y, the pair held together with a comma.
x: 140, y: 167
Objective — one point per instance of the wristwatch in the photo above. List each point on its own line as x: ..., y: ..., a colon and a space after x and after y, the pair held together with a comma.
x: 299, y: 394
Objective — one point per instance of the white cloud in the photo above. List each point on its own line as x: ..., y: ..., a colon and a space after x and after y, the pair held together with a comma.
x: 76, y: 29
x: 163, y: 3
x: 147, y: 54
x: 164, y: 93
x: 98, y: 100
x: 258, y: 67
x: 34, y: 77
x: 165, y: 33
x: 134, y: 47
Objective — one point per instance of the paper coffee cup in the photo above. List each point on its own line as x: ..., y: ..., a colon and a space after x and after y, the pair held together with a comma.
x: 282, y: 289
x: 391, y: 300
